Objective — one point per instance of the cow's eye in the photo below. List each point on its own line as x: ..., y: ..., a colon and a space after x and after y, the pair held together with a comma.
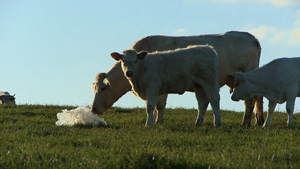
x: 102, y: 89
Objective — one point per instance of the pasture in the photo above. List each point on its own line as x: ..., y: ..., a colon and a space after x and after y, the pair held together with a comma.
x: 30, y: 139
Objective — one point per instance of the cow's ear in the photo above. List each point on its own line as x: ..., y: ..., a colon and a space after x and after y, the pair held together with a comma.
x: 107, y: 80
x: 116, y: 56
x: 93, y: 86
x: 142, y: 55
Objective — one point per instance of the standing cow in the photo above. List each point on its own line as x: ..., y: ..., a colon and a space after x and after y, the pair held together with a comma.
x: 194, y: 68
x: 6, y: 98
x: 237, y: 51
x: 278, y: 81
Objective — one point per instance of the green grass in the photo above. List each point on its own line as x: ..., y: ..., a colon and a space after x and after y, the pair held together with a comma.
x: 30, y: 139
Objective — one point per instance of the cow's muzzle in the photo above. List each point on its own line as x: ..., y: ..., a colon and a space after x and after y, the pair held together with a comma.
x: 95, y: 111
x: 129, y: 73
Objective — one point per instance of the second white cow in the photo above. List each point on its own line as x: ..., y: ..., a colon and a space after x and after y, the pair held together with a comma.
x: 194, y: 68
x: 278, y: 81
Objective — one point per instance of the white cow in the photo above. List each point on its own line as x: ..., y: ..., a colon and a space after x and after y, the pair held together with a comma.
x: 278, y: 81
x: 5, y: 98
x: 194, y: 68
x: 237, y: 51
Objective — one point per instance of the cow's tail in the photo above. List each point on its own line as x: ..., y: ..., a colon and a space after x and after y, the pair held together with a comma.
x: 259, y: 50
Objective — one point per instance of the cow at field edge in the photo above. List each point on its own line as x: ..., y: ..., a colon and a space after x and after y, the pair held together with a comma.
x: 5, y: 98
x: 237, y: 52
x: 194, y: 68
x: 278, y: 81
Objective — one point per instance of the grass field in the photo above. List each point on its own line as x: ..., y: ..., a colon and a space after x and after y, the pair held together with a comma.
x: 30, y: 139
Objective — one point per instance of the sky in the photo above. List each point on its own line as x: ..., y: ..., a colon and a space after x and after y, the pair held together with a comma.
x: 50, y: 51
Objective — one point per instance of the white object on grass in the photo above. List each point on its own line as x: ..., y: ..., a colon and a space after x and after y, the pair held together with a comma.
x: 80, y: 115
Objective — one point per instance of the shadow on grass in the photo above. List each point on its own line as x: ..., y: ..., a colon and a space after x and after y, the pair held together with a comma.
x: 87, y: 126
x: 151, y: 161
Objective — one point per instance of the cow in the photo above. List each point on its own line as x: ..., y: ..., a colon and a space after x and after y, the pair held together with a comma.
x: 6, y: 98
x: 237, y: 51
x: 278, y: 81
x: 194, y: 69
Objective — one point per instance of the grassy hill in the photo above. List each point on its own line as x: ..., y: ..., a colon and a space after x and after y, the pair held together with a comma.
x: 30, y: 139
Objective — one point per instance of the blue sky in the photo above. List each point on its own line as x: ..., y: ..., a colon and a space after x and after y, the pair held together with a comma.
x: 50, y: 51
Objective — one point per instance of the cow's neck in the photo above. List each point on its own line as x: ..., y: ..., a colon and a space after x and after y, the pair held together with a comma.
x: 116, y: 70
x: 119, y: 82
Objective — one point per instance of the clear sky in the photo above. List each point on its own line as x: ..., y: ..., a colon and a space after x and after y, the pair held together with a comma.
x: 50, y: 51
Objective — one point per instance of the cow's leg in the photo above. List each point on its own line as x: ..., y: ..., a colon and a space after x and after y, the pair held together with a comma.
x: 290, y: 103
x: 213, y: 96
x: 259, y: 111
x: 160, y: 108
x: 215, y: 104
x: 202, y: 105
x: 151, y: 103
x: 271, y: 109
x: 249, y: 106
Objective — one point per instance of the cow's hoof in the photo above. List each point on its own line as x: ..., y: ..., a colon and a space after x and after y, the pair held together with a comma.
x: 259, y: 124
x: 159, y: 122
x: 218, y: 124
x: 265, y: 125
x: 148, y: 124
x: 259, y: 121
x: 198, y: 124
x: 246, y: 124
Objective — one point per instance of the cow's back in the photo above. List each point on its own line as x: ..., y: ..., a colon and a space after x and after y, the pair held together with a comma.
x: 279, y: 72
x: 278, y: 79
x: 237, y: 51
x: 177, y: 72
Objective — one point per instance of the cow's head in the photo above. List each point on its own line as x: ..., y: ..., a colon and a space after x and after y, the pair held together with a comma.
x: 242, y: 87
x: 12, y: 98
x: 4, y: 99
x: 102, y: 87
x: 129, y: 59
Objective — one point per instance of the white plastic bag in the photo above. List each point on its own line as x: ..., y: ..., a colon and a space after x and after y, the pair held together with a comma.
x: 82, y: 115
